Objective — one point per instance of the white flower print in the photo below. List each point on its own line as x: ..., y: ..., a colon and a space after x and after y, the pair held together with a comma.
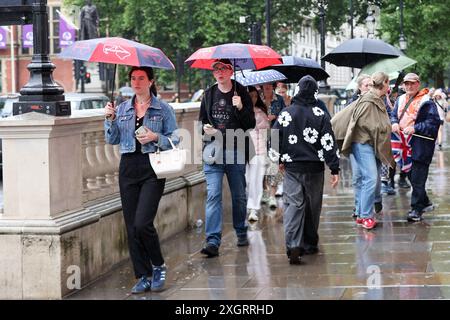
x: 284, y: 118
x: 318, y: 112
x: 286, y: 158
x: 292, y: 139
x: 316, y: 94
x: 310, y: 135
x: 338, y: 154
x: 327, y: 141
x: 273, y: 155
x: 320, y: 155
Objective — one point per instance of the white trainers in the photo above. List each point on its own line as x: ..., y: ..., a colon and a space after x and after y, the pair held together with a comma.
x: 279, y: 192
x: 253, y: 215
x: 273, y: 203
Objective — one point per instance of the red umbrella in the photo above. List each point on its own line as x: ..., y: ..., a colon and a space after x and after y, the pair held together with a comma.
x: 118, y: 51
x: 243, y: 56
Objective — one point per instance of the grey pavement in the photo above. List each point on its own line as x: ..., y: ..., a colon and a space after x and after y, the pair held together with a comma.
x: 397, y: 260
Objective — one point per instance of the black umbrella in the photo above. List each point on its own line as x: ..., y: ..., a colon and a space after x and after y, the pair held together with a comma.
x: 294, y: 68
x: 359, y: 52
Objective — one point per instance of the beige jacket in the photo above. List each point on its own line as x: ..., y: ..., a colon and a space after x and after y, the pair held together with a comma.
x: 365, y: 121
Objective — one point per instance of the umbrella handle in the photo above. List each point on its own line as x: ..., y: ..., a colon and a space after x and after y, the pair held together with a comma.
x: 234, y: 71
x: 113, y: 84
x: 112, y: 90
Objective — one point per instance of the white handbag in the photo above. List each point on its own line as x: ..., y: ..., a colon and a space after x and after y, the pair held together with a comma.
x: 169, y: 163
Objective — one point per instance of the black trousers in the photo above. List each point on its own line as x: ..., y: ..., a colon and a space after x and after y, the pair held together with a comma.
x: 140, y: 192
x: 302, y: 197
x: 418, y: 177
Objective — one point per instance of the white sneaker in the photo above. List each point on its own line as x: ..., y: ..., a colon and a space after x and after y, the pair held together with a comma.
x: 279, y: 192
x: 273, y: 203
x: 253, y: 216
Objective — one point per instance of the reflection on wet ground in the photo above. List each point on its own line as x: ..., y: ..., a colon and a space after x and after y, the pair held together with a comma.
x: 397, y: 260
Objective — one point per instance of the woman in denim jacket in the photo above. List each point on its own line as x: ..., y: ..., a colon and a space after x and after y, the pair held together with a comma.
x: 140, y: 189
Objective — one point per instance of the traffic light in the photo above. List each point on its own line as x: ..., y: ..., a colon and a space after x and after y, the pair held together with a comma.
x: 76, y: 69
x: 87, y: 77
x: 82, y: 72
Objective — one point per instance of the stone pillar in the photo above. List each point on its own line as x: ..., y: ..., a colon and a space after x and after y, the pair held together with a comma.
x: 41, y: 166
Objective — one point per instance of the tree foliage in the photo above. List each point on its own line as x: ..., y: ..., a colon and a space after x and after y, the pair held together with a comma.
x: 427, y: 31
x: 182, y: 26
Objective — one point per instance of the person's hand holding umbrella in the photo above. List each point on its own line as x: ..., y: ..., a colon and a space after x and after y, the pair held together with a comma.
x: 110, y: 111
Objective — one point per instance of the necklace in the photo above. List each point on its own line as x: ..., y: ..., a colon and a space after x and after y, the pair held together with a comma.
x: 142, y: 103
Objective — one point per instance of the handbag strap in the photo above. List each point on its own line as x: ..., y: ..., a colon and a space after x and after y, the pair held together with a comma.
x: 406, y: 106
x: 158, y: 149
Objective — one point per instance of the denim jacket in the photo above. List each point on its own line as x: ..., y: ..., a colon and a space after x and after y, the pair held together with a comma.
x: 159, y: 117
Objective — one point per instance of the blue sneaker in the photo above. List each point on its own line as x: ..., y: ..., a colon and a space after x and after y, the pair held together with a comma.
x: 143, y: 285
x: 159, y: 277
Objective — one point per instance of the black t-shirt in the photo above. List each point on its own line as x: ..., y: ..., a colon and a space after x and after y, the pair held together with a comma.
x: 222, y: 111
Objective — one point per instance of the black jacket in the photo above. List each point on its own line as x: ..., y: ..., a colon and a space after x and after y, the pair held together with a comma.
x: 245, y: 116
x: 427, y: 125
x: 306, y: 138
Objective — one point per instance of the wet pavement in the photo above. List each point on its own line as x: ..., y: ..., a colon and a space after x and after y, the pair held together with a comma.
x: 397, y: 260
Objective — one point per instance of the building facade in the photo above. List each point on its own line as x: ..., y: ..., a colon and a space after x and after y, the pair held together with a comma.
x: 14, y: 58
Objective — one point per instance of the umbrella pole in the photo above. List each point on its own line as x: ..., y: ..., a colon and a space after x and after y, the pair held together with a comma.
x: 234, y: 71
x: 113, y: 84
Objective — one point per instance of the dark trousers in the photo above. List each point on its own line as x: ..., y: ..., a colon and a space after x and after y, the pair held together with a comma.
x: 140, y: 192
x: 302, y: 197
x: 418, y: 177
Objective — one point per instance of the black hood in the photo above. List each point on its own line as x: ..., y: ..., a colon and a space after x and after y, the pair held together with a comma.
x: 307, y: 88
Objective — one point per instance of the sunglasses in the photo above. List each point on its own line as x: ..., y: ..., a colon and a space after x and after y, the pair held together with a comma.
x: 221, y: 68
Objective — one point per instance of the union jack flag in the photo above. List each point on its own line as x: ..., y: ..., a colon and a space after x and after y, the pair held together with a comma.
x: 401, y: 150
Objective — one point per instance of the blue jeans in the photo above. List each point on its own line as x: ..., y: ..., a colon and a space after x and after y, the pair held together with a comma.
x: 214, y: 211
x: 357, y: 181
x: 366, y: 178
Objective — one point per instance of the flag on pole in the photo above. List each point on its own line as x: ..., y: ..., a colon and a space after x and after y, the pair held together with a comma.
x: 27, y: 36
x: 3, y: 35
x: 67, y: 31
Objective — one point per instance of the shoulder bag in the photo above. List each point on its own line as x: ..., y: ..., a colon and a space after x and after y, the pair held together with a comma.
x: 169, y: 163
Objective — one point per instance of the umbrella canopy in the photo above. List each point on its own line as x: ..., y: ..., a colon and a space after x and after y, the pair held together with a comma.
x: 251, y: 78
x: 118, y: 51
x: 243, y: 56
x: 295, y: 68
x: 359, y: 52
x: 391, y: 66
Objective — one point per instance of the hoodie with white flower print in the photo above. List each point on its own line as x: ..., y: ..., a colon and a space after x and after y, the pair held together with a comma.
x: 306, y: 138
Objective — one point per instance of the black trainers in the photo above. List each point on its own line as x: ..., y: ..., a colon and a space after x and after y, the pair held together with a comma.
x: 354, y: 214
x: 242, y: 241
x: 414, y: 216
x: 210, y: 250
x: 294, y: 256
x: 309, y: 250
x: 378, y: 207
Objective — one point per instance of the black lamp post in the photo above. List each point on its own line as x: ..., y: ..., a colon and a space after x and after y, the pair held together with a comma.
x: 41, y: 93
x: 323, y: 86
x: 268, y: 5
x: 402, y: 39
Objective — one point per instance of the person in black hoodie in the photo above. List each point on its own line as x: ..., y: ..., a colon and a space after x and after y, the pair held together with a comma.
x: 226, y: 105
x: 306, y: 141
